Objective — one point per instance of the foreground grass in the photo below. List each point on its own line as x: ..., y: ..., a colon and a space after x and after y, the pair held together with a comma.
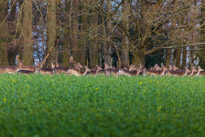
x: 60, y: 106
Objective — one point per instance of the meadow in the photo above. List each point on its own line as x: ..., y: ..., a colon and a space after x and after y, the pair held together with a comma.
x: 61, y: 106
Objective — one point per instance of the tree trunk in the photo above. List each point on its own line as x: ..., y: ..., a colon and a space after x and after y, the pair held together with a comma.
x: 191, y: 55
x: 107, y: 48
x: 93, y: 42
x: 184, y: 57
x: 202, y: 53
x: 67, y: 36
x: 27, y: 33
x: 168, y: 57
x: 51, y: 30
x: 138, y: 58
x: 75, y: 49
x: 174, y: 57
x: 125, y: 40
x: 84, y: 35
x: 177, y: 57
x: 3, y: 33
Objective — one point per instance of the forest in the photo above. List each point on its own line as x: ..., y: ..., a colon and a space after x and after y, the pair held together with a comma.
x: 105, y: 68
x: 94, y: 32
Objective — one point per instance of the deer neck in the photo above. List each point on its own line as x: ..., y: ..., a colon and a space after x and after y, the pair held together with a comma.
x: 185, y: 73
x: 192, y: 72
x: 163, y: 72
x: 198, y: 72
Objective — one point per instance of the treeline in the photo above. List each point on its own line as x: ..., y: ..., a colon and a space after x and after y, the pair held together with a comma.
x: 94, y: 32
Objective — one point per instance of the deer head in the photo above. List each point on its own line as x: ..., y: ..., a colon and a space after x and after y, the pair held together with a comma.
x: 157, y: 67
x: 98, y: 68
x: 174, y: 68
x: 132, y: 67
x: 86, y: 70
x: 52, y: 65
x: 199, y: 70
x: 106, y: 66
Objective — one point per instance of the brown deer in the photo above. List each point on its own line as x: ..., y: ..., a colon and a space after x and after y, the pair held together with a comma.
x: 157, y: 67
x: 193, y: 71
x: 199, y: 71
x: 60, y: 70
x: 110, y: 71
x: 9, y: 69
x: 46, y: 71
x: 76, y: 70
x: 28, y: 68
x: 132, y: 71
x: 132, y: 67
x: 87, y: 71
x: 178, y: 72
x: 174, y: 68
x: 96, y: 71
x: 125, y: 72
x: 157, y: 72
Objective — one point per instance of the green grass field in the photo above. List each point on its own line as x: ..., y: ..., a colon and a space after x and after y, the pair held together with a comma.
x: 61, y: 106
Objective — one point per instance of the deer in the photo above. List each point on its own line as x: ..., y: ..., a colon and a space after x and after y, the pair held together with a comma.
x: 110, y: 71
x: 132, y: 71
x: 76, y: 70
x: 87, y: 71
x: 125, y: 72
x: 97, y: 71
x: 11, y: 69
x: 157, y: 67
x: 199, y: 71
x: 46, y: 71
x: 179, y: 72
x: 26, y: 69
x: 132, y: 67
x: 202, y: 73
x: 193, y: 71
x: 142, y: 70
x: 161, y: 72
x: 59, y: 70
x: 174, y: 68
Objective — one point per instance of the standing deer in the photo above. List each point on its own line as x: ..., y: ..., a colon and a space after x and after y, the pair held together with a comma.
x: 161, y: 72
x: 193, y: 70
x: 11, y: 69
x: 199, y: 71
x: 60, y: 70
x: 110, y: 71
x: 178, y: 72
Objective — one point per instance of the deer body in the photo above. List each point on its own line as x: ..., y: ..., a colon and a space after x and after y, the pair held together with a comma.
x: 179, y: 72
x: 157, y: 72
x: 74, y: 72
x: 199, y: 71
x: 45, y: 71
x: 25, y: 71
x: 128, y: 73
x: 61, y: 70
x: 8, y: 69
